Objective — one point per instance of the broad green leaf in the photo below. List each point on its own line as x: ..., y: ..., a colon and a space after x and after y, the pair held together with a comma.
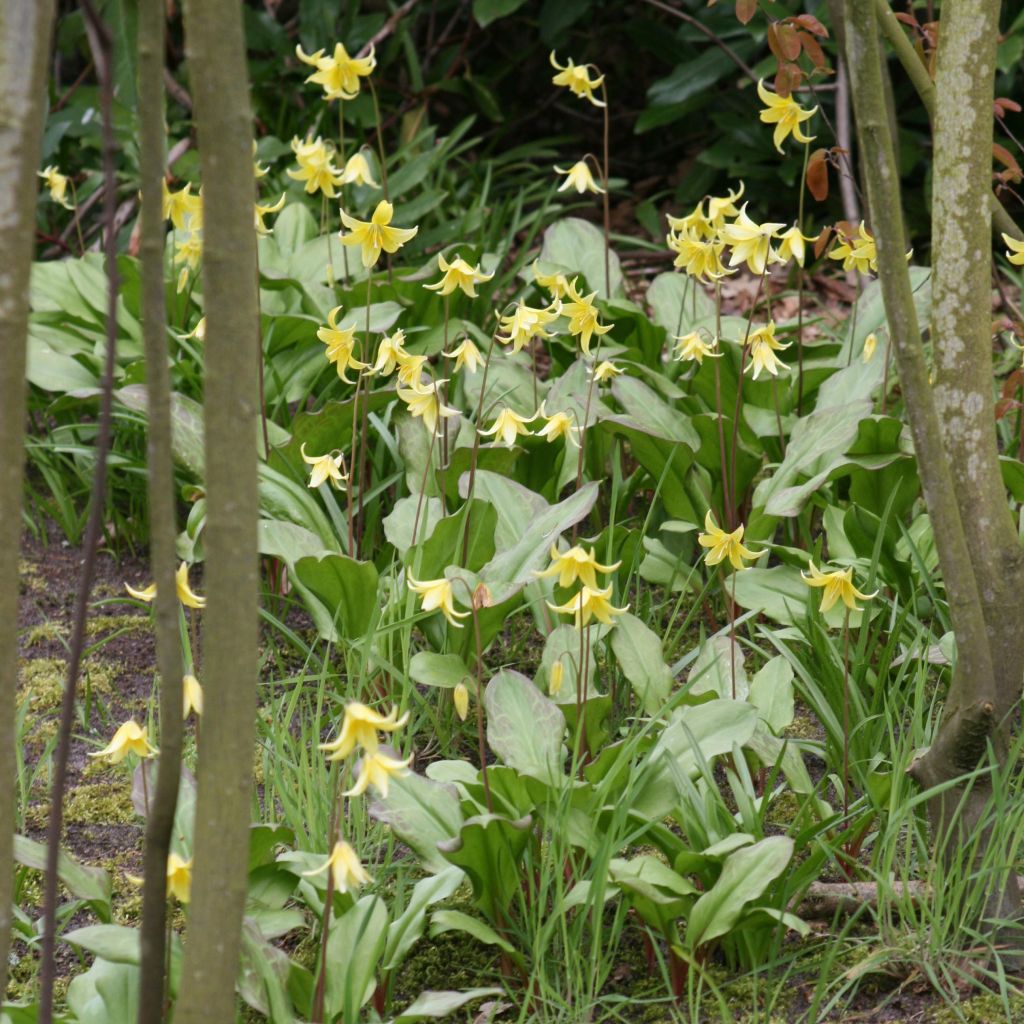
x: 578, y: 247
x: 432, y: 1005
x: 105, y: 993
x: 355, y: 945
x: 524, y: 728
x: 344, y: 585
x: 81, y: 880
x: 486, y: 11
x: 678, y: 302
x: 442, y: 921
x: 408, y: 514
x: 263, y: 972
x: 443, y: 670
x: 782, y: 595
x: 446, y: 544
x: 720, y: 669
x: 114, y: 942
x: 642, y: 660
x: 771, y: 692
x: 745, y: 876
x: 405, y: 931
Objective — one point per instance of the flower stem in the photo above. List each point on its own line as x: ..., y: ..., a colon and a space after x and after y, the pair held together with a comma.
x: 606, y: 200
x: 800, y: 292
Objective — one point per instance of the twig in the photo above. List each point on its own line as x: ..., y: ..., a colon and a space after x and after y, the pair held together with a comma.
x: 388, y: 27
x: 101, y: 44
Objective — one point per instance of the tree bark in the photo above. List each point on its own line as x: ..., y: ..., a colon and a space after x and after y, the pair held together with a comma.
x: 162, y: 527
x: 219, y: 79
x: 24, y: 53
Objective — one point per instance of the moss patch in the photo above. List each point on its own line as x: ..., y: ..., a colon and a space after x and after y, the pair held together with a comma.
x: 101, y: 803
x: 42, y: 682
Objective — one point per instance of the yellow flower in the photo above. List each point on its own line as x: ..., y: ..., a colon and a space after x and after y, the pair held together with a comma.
x: 179, y: 207
x: 750, y: 242
x: 410, y: 369
x: 377, y: 770
x: 425, y: 401
x: 192, y: 696
x: 579, y: 177
x: 57, y: 183
x: 347, y: 872
x: 460, y: 697
x: 199, y: 331
x: 189, y: 251
x: 589, y: 603
x: 838, y: 585
x: 693, y: 348
x: 258, y: 169
x: 357, y: 171
x: 466, y: 354
x: 376, y: 233
x: 315, y: 167
x: 559, y: 424
x: 557, y: 284
x: 507, y: 426
x: 575, y: 564
x: 390, y: 353
x: 437, y: 594
x: 763, y: 347
x: 786, y: 114
x: 325, y: 467
x: 870, y: 344
x: 359, y: 728
x: 720, y: 207
x: 791, y: 245
x: 339, y: 74
x: 858, y: 253
x: 185, y: 593
x: 526, y: 323
x: 695, y: 223
x: 262, y: 211
x: 606, y: 370
x: 179, y: 878
x: 340, y: 342
x: 1015, y: 252
x: 582, y: 314
x: 699, y: 257
x: 130, y: 738
x: 576, y: 78
x: 724, y: 545
x: 458, y: 274
x: 556, y: 676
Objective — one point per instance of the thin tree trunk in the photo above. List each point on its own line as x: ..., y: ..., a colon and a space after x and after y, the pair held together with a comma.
x: 24, y: 52
x: 219, y: 78
x: 162, y: 527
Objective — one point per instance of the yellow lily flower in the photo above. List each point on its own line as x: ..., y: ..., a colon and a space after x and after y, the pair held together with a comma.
x: 341, y: 343
x: 192, y: 696
x: 179, y: 878
x: 583, y: 317
x: 556, y: 676
x: 559, y: 424
x: 786, y: 114
x: 347, y: 872
x: 437, y: 594
x: 1015, y: 252
x: 693, y: 348
x: 576, y: 78
x: 390, y: 354
x: 357, y: 171
x: 262, y: 211
x: 338, y: 74
x: 199, y: 331
x: 179, y: 207
x: 377, y: 770
x: 870, y: 344
x: 359, y: 728
x: 606, y: 370
x: 587, y: 604
x: 750, y: 242
x: 460, y: 698
x: 763, y: 346
x: 838, y: 586
x: 410, y: 369
x: 185, y: 594
x: 190, y: 252
x: 699, y: 257
x: 130, y: 738
x: 695, y: 223
x: 724, y: 545
x: 556, y: 284
x: 526, y: 323
x: 858, y: 253
x: 791, y: 245
x: 376, y: 234
x: 425, y: 401
x: 57, y: 183
x: 458, y: 274
x: 720, y: 207
x: 315, y: 167
x: 575, y: 564
x: 325, y: 467
x: 579, y: 177
x: 466, y: 355
x: 507, y: 426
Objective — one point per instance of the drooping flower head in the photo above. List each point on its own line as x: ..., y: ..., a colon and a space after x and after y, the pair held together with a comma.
x: 583, y: 317
x: 376, y: 234
x: 458, y: 274
x: 697, y: 255
x: 693, y: 348
x: 347, y: 872
x: 751, y: 243
x: 130, y: 738
x: 792, y: 245
x: 357, y: 171
x: 576, y: 78
x: 179, y: 878
x: 181, y: 206
x: 424, y: 400
x: 557, y: 285
x: 763, y: 346
x: 589, y: 603
x: 338, y: 74
x: 786, y: 114
x: 580, y: 178
x: 191, y: 696
x: 525, y: 323
x: 359, y: 728
x: 466, y: 355
x: 575, y: 564
x: 341, y: 343
x: 390, y: 354
x: 377, y: 770
x: 507, y: 426
x: 185, y: 593
x: 325, y: 467
x: 437, y: 595
x: 57, y: 183
x: 724, y: 545
x: 838, y: 586
x: 857, y: 253
x: 606, y: 370
x: 263, y: 210
x: 558, y: 424
x: 316, y: 168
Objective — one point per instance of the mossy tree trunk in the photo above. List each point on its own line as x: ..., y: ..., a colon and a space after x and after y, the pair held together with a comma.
x: 953, y: 423
x: 24, y: 51
x: 162, y: 528
x: 215, y: 48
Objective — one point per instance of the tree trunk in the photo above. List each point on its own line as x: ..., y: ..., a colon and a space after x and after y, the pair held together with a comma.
x: 219, y: 78
x: 24, y: 54
x: 162, y: 528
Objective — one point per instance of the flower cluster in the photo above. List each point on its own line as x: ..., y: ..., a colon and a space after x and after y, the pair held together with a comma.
x: 591, y: 601
x: 359, y: 730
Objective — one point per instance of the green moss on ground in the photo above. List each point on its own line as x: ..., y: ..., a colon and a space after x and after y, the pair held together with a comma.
x: 102, y: 803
